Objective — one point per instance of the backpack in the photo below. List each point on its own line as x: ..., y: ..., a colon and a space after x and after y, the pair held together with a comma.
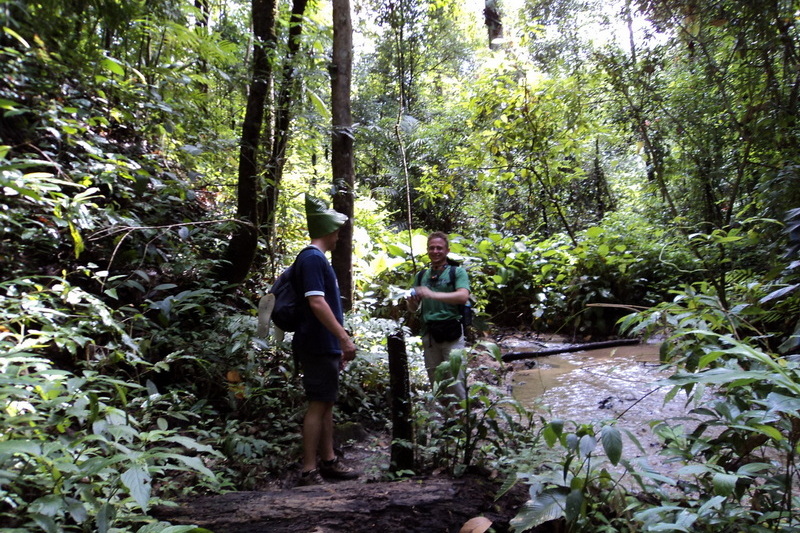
x: 288, y: 311
x: 466, y: 310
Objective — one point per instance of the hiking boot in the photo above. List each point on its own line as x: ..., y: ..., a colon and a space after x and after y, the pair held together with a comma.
x: 310, y: 478
x: 337, y: 470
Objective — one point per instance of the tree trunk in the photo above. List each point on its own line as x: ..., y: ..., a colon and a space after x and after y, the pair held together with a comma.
x: 279, y: 134
x: 342, y: 145
x: 257, y: 199
x: 244, y: 241
x: 494, y: 24
x: 203, y: 9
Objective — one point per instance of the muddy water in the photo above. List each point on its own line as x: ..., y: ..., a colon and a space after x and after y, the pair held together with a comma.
x: 599, y: 385
x: 587, y: 385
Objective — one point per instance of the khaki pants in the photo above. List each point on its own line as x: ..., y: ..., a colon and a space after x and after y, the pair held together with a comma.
x: 436, y: 353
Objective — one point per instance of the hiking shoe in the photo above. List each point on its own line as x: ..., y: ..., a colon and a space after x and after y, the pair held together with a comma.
x: 337, y: 470
x: 310, y: 478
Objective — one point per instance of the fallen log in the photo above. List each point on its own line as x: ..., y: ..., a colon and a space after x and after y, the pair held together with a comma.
x: 356, y: 506
x: 567, y: 348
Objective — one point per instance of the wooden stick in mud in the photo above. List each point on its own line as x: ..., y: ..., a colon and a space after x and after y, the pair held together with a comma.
x: 402, y: 456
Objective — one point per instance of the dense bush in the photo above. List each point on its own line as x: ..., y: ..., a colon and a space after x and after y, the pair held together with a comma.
x: 80, y: 447
x: 551, y: 284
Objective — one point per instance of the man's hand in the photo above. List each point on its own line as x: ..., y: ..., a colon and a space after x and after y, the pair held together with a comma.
x: 423, y: 292
x: 323, y: 312
x: 413, y: 301
x: 348, y: 349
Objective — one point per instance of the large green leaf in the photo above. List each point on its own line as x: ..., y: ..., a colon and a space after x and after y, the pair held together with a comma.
x: 574, y: 504
x: 548, y: 505
x: 725, y: 484
x: 137, y: 480
x: 105, y: 517
x: 24, y: 446
x: 113, y: 66
x: 587, y: 445
x: 319, y: 104
x: 612, y: 443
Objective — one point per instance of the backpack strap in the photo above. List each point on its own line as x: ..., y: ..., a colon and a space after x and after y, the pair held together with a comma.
x: 462, y: 308
x: 452, y: 270
x: 293, y: 273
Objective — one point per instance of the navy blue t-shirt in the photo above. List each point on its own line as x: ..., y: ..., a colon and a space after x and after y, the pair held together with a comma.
x: 315, y: 277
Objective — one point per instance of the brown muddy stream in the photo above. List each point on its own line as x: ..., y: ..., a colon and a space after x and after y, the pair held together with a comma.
x: 585, y: 385
x: 592, y: 386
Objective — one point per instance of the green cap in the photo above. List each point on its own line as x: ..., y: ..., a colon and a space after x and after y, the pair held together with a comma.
x: 321, y: 220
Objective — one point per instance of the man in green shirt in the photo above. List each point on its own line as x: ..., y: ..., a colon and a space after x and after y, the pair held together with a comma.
x: 441, y: 294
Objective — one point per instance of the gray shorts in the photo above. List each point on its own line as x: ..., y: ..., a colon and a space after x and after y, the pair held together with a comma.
x: 320, y: 376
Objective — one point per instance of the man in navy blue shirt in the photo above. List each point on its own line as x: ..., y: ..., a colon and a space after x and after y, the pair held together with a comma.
x: 321, y: 344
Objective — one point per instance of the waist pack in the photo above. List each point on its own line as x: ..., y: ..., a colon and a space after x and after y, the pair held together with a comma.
x: 445, y: 330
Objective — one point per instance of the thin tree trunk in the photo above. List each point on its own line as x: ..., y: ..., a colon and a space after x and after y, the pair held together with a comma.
x: 283, y: 118
x: 202, y: 8
x: 244, y: 241
x: 342, y: 145
x: 557, y: 206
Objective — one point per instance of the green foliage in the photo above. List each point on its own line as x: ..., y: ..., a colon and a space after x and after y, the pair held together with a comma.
x: 43, y: 212
x: 546, y: 284
x: 365, y: 383
x: 82, y: 184
x: 487, y: 429
x: 743, y: 453
x: 737, y: 443
x: 52, y: 316
x: 711, y: 141
x: 580, y: 489
x: 415, y: 76
x: 551, y: 283
x: 258, y: 433
x: 539, y: 142
x: 74, y: 451
x: 740, y: 455
x: 558, y: 41
x: 105, y: 258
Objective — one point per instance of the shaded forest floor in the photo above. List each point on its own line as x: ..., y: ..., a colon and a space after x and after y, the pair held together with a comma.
x: 423, y: 504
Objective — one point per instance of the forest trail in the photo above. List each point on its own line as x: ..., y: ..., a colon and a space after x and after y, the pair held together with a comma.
x: 422, y: 504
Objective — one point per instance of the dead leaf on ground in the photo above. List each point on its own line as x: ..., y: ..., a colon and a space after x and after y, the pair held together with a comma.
x: 479, y: 524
